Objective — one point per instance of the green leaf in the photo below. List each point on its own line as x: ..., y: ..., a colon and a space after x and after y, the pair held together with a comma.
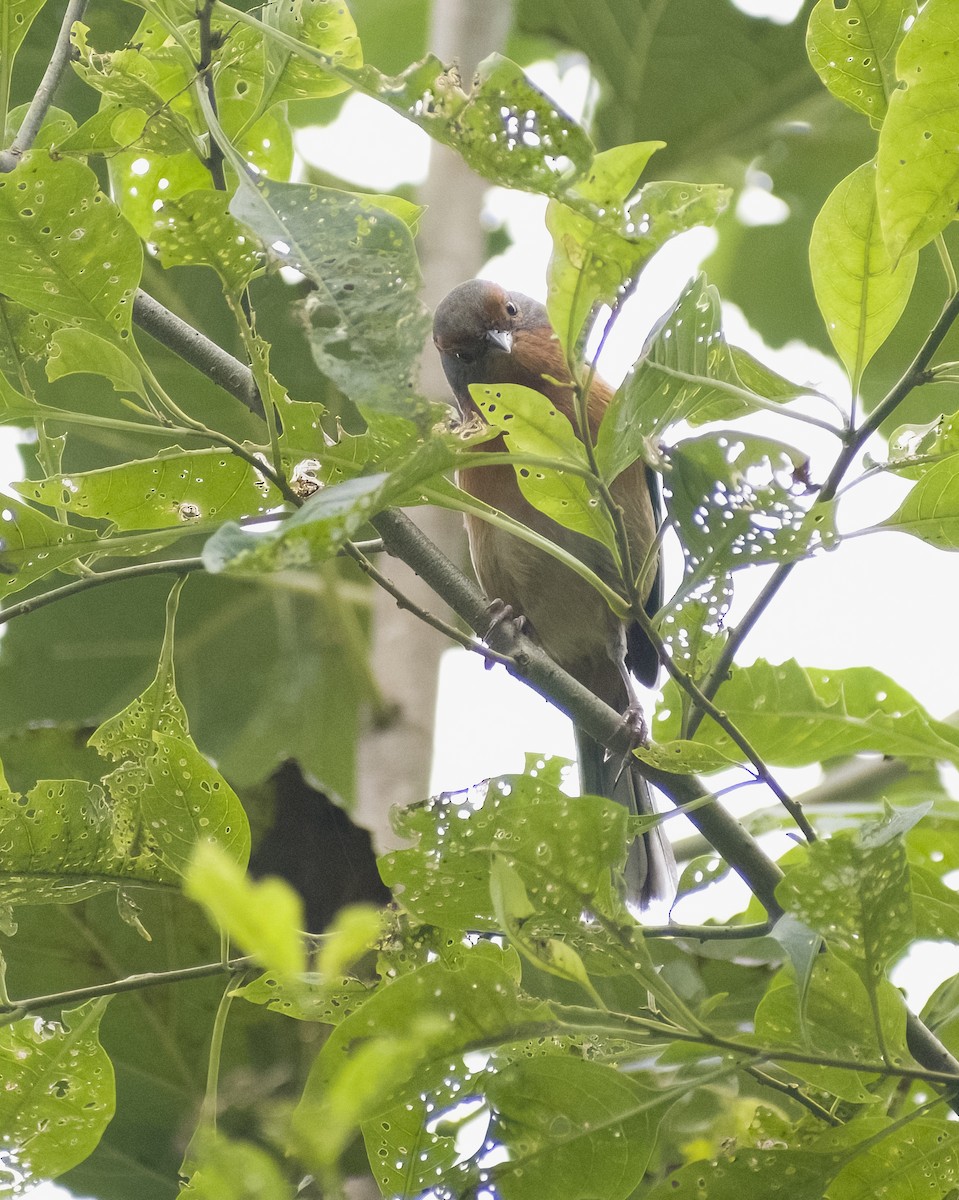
x: 58, y: 1094
x: 167, y: 796
x: 57, y: 126
x: 444, y: 877
x: 918, y: 180
x: 353, y: 931
x: 74, y: 351
x: 781, y: 1174
x: 833, y: 1018
x: 63, y: 842
x: 854, y: 890
x: 853, y: 48
x: 196, y: 229
x: 32, y: 545
x: 77, y: 259
x: 531, y: 426
x: 686, y: 372
x: 572, y: 1129
x: 398, y: 1046
x: 147, y: 89
x: 794, y: 715
x: 595, y: 256
x: 315, y: 532
x: 265, y: 917
x: 931, y: 509
x: 16, y: 17
x: 328, y: 27
x: 861, y: 291
x: 227, y: 1169
x: 366, y: 323
x: 921, y: 1149
x: 175, y: 488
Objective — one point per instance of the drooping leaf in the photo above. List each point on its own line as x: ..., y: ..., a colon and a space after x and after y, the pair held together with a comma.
x: 860, y: 290
x: 532, y: 426
x: 367, y: 325
x: 918, y: 179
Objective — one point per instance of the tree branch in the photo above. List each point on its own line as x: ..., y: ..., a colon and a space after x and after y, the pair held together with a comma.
x: 207, y: 357
x: 43, y: 97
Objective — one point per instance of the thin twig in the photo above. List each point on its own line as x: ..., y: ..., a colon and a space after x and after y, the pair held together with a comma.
x: 204, y: 68
x: 43, y: 97
x: 793, y: 1089
x: 178, y: 566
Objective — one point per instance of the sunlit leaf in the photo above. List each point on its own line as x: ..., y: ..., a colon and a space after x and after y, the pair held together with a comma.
x: 853, y: 47
x: 686, y: 372
x: 33, y: 545
x: 794, y: 715
x: 918, y: 181
x: 264, y: 916
x: 931, y: 509
x: 860, y: 290
x: 58, y: 1094
x: 77, y: 259
x: 176, y: 487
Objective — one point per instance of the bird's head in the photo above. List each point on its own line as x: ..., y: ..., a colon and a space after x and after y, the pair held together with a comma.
x: 474, y: 330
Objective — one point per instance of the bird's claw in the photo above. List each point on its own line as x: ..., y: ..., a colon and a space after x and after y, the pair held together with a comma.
x: 500, y: 613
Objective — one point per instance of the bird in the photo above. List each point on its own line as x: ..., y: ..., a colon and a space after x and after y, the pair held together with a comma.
x: 488, y: 335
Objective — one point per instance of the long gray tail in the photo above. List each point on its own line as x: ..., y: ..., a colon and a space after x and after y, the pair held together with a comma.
x: 650, y: 866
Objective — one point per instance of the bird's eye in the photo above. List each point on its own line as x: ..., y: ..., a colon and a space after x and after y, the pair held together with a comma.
x: 511, y: 308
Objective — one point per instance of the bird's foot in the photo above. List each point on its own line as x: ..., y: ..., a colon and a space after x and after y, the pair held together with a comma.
x: 502, y: 613
x: 635, y: 721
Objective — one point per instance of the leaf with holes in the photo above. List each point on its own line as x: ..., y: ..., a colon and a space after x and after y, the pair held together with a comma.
x: 860, y: 291
x: 835, y: 1015
x: 931, y: 509
x: 147, y: 88
x: 314, y: 533
x: 409, y: 1037
x: 73, y: 351
x: 917, y: 1154
x: 196, y: 230
x: 32, y: 545
x: 595, y: 256
x: 166, y: 795
x: 795, y: 715
x: 854, y: 890
x: 62, y: 842
x: 531, y: 426
x: 918, y: 180
x: 76, y: 258
x: 366, y: 322
x: 852, y: 47
x: 177, y: 487
x: 686, y: 372
x: 58, y: 1094
x: 326, y: 26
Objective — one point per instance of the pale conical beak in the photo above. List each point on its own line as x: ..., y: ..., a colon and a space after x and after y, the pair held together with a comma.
x: 502, y: 339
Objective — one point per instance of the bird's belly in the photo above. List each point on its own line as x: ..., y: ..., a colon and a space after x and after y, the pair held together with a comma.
x: 569, y: 619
